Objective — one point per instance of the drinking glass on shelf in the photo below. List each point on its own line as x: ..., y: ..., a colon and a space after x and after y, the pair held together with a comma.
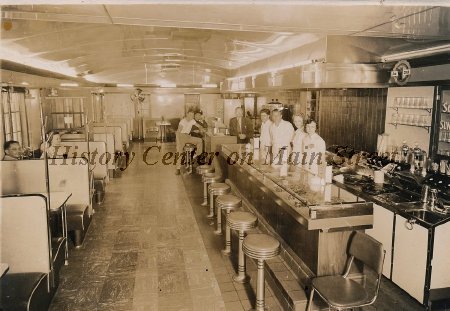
x: 399, y: 102
x: 400, y: 118
x: 416, y: 120
x: 406, y: 102
x: 425, y: 103
x: 407, y: 119
x: 420, y: 103
x: 396, y: 104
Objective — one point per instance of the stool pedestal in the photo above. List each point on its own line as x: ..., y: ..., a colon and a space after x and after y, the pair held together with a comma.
x: 227, y: 202
x: 260, y: 247
x: 208, y: 178
x: 216, y: 189
x: 188, y: 149
x: 241, y: 221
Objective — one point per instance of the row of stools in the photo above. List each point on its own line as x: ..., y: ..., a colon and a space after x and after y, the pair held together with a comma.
x: 257, y: 246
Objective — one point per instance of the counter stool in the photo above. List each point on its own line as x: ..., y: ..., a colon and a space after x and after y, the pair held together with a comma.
x: 209, y: 178
x: 188, y: 150
x: 261, y: 247
x: 201, y: 169
x: 218, y: 188
x: 227, y: 202
x: 241, y: 221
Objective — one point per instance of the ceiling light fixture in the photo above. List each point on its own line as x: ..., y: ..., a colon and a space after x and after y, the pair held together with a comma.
x: 168, y: 85
x: 124, y: 85
x: 209, y: 85
x: 439, y: 49
x: 69, y: 84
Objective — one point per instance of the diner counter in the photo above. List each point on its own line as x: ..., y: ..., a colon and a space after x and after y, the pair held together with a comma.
x: 313, y: 221
x: 312, y: 203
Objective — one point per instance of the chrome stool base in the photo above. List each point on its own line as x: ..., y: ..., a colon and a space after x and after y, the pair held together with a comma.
x: 241, y: 221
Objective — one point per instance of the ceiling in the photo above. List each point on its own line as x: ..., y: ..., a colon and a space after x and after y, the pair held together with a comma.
x: 191, y: 44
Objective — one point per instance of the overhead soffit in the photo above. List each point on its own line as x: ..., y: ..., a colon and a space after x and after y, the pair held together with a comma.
x: 196, y: 43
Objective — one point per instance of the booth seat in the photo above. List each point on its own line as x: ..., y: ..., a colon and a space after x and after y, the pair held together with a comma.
x: 74, y: 179
x: 25, y: 247
x: 24, y: 292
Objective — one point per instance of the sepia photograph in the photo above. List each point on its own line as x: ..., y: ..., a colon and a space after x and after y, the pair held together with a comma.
x: 225, y: 155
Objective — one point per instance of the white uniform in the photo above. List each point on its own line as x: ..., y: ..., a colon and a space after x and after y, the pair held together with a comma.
x: 314, y: 148
x: 297, y: 148
x: 281, y: 136
x: 264, y: 139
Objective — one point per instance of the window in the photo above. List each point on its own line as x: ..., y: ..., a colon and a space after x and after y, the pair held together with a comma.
x: 11, y: 113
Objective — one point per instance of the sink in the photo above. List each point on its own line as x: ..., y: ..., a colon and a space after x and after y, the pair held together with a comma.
x: 425, y: 215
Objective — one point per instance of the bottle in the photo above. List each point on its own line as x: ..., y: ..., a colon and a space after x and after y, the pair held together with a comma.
x: 417, y: 154
x: 405, y: 152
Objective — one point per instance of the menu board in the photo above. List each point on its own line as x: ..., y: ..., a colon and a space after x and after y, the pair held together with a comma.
x: 443, y: 147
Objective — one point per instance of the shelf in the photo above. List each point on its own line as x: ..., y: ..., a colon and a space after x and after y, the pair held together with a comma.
x: 66, y: 112
x: 427, y: 127
x: 428, y: 109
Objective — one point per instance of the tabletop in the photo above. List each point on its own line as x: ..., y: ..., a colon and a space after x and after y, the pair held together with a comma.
x: 4, y: 267
x: 58, y: 198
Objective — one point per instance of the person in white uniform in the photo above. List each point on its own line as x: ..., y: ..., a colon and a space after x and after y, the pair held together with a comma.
x: 281, y: 133
x: 264, y: 139
x: 313, y: 148
x: 297, y: 140
x: 183, y: 137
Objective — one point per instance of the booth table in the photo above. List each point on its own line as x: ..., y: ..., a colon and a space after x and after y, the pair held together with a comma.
x: 4, y: 267
x: 162, y: 129
x: 58, y: 200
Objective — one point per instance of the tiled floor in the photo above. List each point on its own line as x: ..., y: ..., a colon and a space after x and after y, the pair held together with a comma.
x: 150, y: 247
x: 143, y: 250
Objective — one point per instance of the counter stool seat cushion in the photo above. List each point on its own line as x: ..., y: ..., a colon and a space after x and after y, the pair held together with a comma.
x: 211, y: 177
x: 189, y: 147
x: 241, y: 220
x: 340, y: 291
x: 219, y: 188
x: 261, y: 246
x: 201, y: 169
x: 228, y: 200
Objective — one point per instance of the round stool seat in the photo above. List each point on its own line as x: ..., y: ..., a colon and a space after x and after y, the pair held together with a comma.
x: 201, y: 169
x: 219, y: 188
x: 189, y: 147
x: 241, y: 220
x: 228, y: 200
x: 261, y: 246
x: 211, y: 177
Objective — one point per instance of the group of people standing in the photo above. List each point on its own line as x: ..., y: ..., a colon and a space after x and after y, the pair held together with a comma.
x: 280, y: 138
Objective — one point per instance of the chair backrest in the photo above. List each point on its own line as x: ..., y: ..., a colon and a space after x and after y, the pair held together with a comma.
x: 110, y: 148
x: 71, y: 175
x: 96, y: 151
x: 367, y: 250
x: 27, y: 176
x: 24, y: 242
x: 115, y: 130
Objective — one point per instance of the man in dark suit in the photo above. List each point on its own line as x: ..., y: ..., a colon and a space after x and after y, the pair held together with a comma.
x: 241, y: 127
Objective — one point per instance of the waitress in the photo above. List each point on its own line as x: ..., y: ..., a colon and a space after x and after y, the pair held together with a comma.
x: 313, y: 147
x: 297, y: 140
